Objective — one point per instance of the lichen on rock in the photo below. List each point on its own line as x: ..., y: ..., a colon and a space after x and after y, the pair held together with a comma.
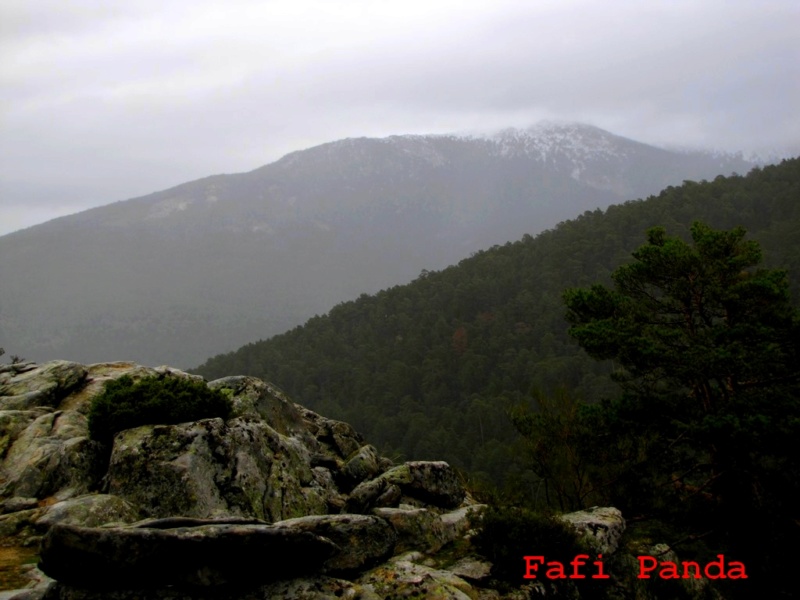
x: 272, y: 501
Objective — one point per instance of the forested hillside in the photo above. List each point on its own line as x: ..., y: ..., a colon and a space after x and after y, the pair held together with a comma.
x: 427, y: 369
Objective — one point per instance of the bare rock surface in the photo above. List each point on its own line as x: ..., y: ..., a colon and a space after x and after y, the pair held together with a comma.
x: 273, y: 461
x: 25, y: 386
x: 434, y: 482
x: 401, y: 578
x: 92, y: 510
x: 363, y: 541
x: 275, y: 501
x: 600, y: 527
x: 202, y: 556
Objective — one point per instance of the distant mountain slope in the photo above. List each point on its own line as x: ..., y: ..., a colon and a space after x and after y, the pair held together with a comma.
x: 209, y: 265
x: 425, y: 369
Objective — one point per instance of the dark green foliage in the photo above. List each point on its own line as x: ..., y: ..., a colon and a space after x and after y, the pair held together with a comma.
x: 125, y: 403
x: 556, y: 436
x: 704, y: 339
x: 596, y: 454
x: 429, y: 369
x: 708, y: 349
x: 507, y: 534
x: 698, y: 316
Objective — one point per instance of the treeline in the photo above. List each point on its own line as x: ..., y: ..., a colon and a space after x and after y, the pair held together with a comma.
x: 431, y: 369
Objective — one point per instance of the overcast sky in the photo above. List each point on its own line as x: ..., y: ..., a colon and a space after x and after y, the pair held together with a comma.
x: 107, y: 100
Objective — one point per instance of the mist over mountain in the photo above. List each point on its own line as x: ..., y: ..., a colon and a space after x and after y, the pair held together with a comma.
x: 207, y: 266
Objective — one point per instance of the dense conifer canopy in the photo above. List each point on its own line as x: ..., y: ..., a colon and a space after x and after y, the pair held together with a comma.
x: 428, y: 370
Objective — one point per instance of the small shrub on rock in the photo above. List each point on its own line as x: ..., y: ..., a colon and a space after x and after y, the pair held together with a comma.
x: 124, y: 404
x: 507, y: 534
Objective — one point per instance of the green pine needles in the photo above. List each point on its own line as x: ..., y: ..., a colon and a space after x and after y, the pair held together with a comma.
x: 125, y: 403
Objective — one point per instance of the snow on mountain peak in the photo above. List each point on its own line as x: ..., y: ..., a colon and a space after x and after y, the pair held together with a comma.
x: 549, y: 141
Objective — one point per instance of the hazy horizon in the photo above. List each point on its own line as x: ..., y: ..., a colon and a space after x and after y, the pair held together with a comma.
x: 110, y: 102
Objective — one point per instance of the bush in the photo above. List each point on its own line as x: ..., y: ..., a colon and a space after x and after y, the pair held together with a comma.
x: 508, y: 534
x: 124, y: 404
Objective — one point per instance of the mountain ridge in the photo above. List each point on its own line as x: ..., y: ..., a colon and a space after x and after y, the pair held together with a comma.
x: 538, y: 141
x: 211, y: 264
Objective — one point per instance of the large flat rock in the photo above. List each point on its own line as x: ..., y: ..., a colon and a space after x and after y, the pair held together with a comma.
x: 157, y: 555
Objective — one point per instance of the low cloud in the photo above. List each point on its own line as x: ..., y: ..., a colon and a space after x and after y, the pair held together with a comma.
x: 107, y: 102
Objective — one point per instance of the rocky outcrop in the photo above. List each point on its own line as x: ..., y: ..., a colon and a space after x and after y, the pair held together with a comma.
x: 45, y: 450
x: 362, y: 541
x: 600, y: 527
x: 435, y: 483
x: 203, y: 555
x: 211, y: 468
x: 275, y: 479
x: 405, y: 578
x: 275, y: 501
x: 92, y: 510
x: 25, y: 386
